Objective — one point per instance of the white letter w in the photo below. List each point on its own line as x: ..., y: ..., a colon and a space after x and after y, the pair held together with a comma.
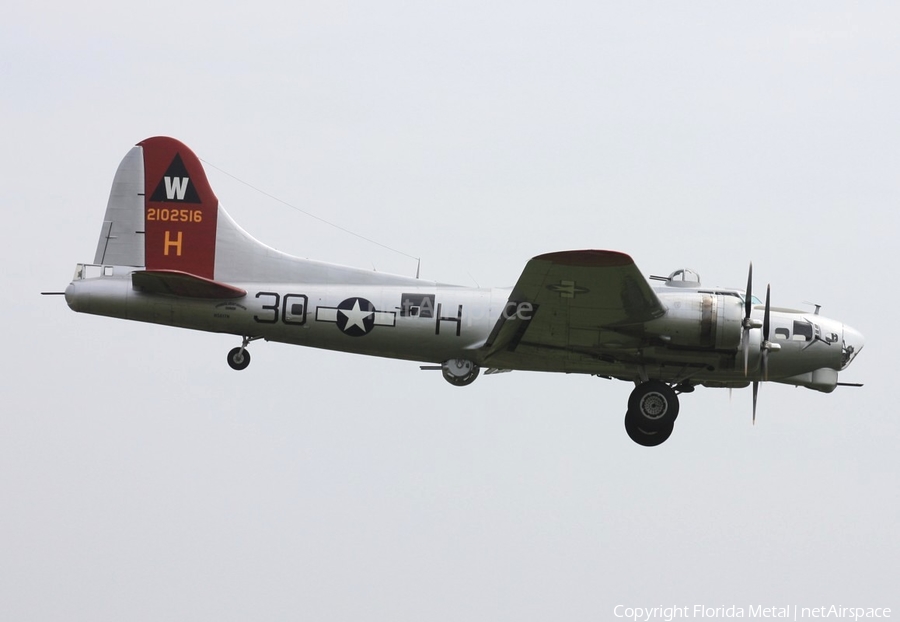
x: 176, y: 186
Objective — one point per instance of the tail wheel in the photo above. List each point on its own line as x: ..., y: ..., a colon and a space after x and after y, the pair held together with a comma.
x: 653, y: 405
x: 239, y: 358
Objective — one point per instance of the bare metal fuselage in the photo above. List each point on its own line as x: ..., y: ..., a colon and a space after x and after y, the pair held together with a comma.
x: 698, y: 338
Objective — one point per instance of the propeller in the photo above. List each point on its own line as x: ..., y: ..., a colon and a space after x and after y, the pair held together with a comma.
x: 748, y: 322
x: 766, y: 346
x: 764, y: 351
x: 755, y: 393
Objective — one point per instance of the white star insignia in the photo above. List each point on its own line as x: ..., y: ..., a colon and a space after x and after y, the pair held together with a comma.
x: 355, y: 317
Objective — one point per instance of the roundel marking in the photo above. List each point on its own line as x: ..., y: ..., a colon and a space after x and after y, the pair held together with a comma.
x: 356, y: 316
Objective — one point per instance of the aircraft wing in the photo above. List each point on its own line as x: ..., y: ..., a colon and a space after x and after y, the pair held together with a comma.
x: 565, y: 300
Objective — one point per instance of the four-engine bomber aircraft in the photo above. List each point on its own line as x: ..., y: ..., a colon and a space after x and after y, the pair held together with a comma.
x: 169, y: 254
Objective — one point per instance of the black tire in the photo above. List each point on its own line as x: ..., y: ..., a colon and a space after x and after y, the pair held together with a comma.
x: 645, y: 437
x: 654, y: 406
x: 238, y: 358
x: 461, y: 381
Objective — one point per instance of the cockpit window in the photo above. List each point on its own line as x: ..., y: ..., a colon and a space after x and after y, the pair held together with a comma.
x: 782, y: 334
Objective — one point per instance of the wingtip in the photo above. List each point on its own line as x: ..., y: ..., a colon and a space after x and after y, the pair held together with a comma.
x: 588, y: 258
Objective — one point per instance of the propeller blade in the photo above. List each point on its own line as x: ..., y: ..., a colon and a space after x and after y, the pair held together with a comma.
x: 745, y: 337
x: 755, y: 393
x: 746, y: 346
x: 749, y: 296
x: 765, y: 343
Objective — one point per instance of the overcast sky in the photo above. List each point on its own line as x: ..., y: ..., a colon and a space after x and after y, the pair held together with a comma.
x: 142, y: 479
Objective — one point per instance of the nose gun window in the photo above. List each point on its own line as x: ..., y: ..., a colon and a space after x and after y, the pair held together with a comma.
x: 848, y: 353
x: 803, y: 331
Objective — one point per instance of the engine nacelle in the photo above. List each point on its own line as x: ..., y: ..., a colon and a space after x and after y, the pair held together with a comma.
x: 700, y: 320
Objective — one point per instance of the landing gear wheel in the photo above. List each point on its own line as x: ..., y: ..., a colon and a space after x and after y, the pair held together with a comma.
x: 459, y: 372
x: 238, y: 358
x: 645, y: 437
x: 653, y: 406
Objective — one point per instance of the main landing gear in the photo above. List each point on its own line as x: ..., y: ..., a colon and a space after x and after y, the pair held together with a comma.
x: 239, y: 358
x: 652, y: 410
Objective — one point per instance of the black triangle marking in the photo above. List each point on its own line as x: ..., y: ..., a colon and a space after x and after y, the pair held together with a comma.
x: 176, y: 185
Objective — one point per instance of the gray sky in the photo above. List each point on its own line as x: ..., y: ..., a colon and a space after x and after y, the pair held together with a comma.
x: 143, y: 479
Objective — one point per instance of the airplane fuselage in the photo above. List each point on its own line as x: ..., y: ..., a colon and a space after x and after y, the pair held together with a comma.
x: 697, y: 339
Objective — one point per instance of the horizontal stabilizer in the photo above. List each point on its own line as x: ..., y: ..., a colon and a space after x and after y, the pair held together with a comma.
x: 177, y: 283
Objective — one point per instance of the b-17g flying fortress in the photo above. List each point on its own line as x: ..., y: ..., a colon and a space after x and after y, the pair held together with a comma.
x: 168, y: 253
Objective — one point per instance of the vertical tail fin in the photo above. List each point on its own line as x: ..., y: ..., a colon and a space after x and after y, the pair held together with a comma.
x: 162, y: 213
x: 122, y: 235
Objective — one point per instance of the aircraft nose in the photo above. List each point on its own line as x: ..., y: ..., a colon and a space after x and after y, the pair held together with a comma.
x: 853, y: 343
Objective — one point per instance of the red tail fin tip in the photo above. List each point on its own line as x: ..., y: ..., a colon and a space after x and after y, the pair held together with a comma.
x: 180, y: 209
